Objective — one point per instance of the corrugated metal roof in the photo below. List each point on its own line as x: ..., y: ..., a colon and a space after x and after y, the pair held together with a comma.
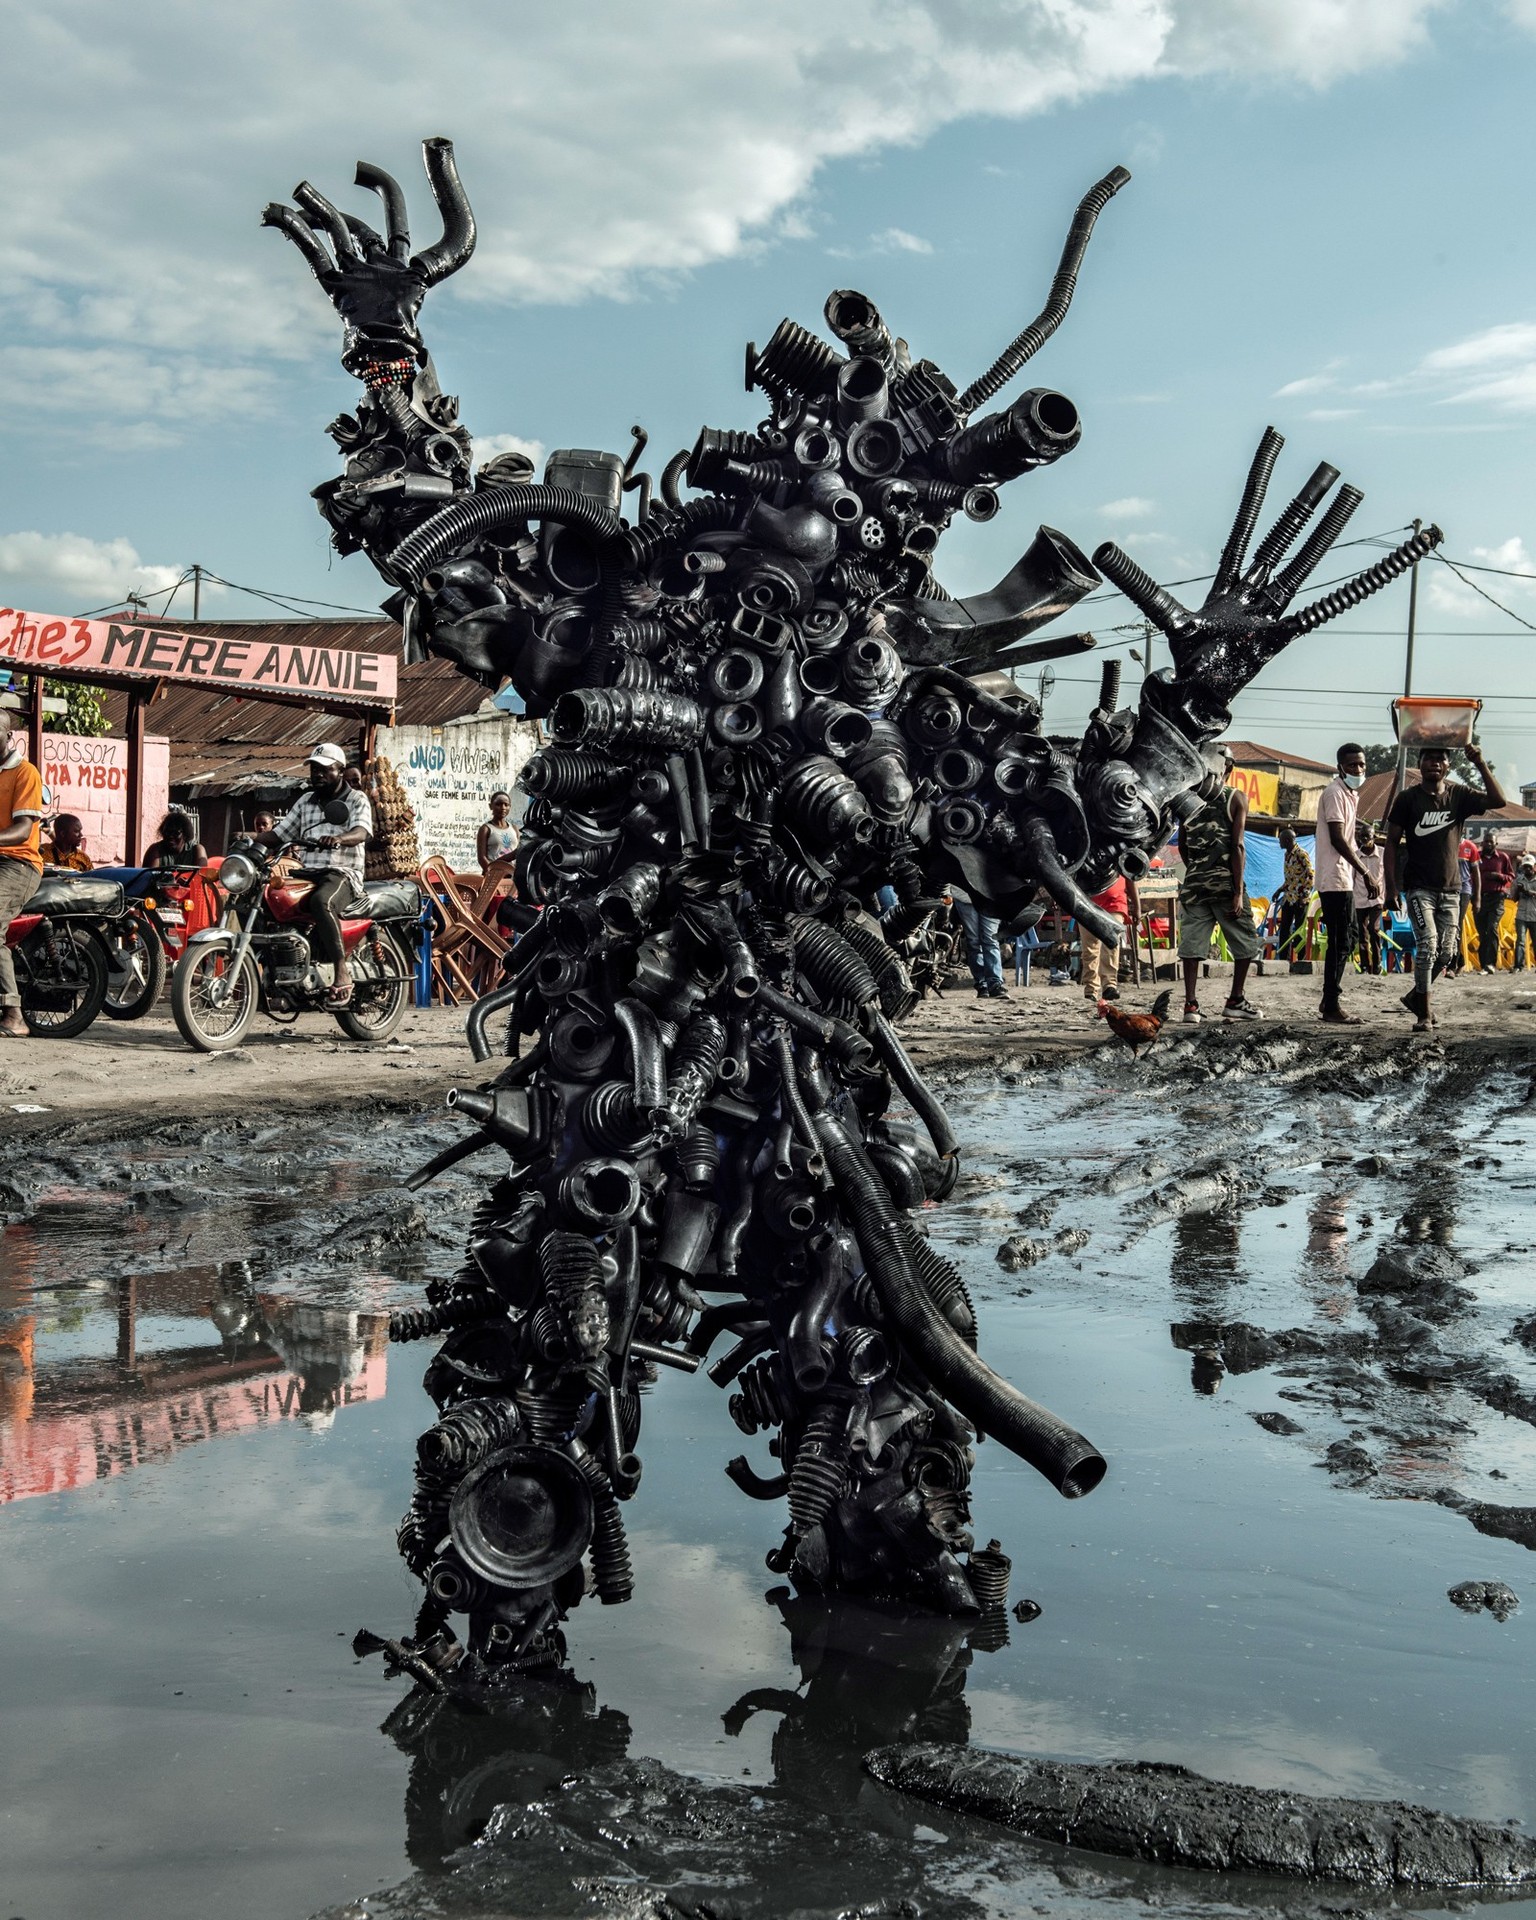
x: 220, y: 741
x: 1253, y: 753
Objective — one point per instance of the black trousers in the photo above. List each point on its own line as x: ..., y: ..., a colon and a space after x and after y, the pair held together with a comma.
x: 332, y: 894
x: 1368, y: 929
x: 1293, y: 919
x: 1339, y: 924
x: 1489, y: 914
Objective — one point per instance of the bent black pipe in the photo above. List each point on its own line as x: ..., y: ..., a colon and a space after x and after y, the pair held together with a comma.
x: 458, y: 241
x: 648, y: 1058
x: 1072, y: 1464
x: 397, y: 230
x: 914, y: 1089
x: 804, y: 1345
x: 1038, y: 845
x: 481, y: 1011
x: 740, y: 1473
x: 497, y: 507
x: 1027, y: 344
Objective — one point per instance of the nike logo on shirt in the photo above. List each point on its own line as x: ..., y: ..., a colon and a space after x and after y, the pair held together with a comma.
x: 1432, y: 823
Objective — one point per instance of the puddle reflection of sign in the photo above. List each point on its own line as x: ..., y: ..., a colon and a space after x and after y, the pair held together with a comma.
x: 1261, y: 790
x: 59, y: 1450
x: 124, y: 649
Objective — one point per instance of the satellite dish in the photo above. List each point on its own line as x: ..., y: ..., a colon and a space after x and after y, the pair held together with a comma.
x: 1047, y: 681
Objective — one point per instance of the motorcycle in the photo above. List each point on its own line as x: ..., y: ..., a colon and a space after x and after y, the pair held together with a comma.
x: 165, y: 906
x: 259, y: 955
x: 60, y: 952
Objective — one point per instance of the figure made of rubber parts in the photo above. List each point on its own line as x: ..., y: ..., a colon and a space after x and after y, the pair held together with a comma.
x: 764, y: 712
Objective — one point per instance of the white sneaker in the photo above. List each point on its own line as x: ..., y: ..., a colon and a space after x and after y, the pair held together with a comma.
x: 1192, y: 1016
x: 1240, y: 1010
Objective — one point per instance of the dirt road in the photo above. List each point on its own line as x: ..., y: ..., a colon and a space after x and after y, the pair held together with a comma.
x: 144, y: 1066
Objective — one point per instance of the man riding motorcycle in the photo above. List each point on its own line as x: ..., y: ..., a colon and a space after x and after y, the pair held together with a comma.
x: 330, y: 854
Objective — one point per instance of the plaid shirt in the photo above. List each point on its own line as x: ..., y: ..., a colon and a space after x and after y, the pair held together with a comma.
x: 305, y: 820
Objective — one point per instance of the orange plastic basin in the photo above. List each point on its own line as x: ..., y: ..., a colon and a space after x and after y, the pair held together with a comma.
x: 1446, y: 721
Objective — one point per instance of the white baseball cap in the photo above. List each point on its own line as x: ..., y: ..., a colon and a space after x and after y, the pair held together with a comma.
x: 327, y: 754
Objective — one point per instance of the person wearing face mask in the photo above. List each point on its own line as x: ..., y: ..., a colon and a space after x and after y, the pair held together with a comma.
x: 330, y: 855
x: 1423, y: 831
x: 1338, y: 867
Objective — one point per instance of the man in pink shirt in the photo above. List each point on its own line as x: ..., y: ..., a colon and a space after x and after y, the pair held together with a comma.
x: 1338, y: 866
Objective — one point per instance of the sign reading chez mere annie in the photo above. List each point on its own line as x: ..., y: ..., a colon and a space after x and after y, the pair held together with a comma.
x: 116, y: 649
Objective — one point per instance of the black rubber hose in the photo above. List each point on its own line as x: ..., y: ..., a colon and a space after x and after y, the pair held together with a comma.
x: 1254, y: 489
x: 675, y: 526
x: 1038, y: 846
x: 1354, y: 591
x: 740, y: 1473
x: 914, y: 1089
x: 789, y: 1088
x: 804, y: 1345
x: 671, y: 473
x: 1073, y: 1465
x: 1051, y: 315
x: 481, y: 1011
x: 458, y: 241
x: 496, y: 507
x: 648, y: 1057
x: 396, y: 221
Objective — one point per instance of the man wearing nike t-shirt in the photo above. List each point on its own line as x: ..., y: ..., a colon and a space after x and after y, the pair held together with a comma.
x: 1423, y: 838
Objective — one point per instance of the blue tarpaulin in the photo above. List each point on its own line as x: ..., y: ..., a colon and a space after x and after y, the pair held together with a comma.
x: 1264, y: 862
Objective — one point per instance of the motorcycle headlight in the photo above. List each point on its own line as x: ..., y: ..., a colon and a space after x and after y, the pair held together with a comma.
x: 238, y: 873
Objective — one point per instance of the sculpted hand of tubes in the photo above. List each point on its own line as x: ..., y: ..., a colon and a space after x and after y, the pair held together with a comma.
x: 762, y: 722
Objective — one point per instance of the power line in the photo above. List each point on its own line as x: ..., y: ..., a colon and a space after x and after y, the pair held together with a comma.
x: 1483, y: 591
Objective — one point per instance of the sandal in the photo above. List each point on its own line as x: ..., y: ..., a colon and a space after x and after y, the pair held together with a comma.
x: 338, y: 999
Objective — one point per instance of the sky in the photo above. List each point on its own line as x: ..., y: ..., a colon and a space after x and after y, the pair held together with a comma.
x: 1329, y: 228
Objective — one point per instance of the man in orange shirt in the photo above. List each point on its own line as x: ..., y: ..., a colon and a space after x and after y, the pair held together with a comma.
x: 21, y: 861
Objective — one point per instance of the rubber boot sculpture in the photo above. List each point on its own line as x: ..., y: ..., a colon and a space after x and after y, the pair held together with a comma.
x: 763, y: 711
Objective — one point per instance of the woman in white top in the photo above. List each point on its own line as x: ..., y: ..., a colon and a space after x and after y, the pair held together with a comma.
x: 497, y: 838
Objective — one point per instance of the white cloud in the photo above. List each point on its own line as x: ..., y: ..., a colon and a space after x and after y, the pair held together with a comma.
x: 66, y: 572
x: 1522, y: 13
x: 1494, y: 346
x: 488, y: 445
x: 1133, y: 507
x: 1448, y: 594
x: 603, y: 146
x: 1309, y: 383
x: 1332, y: 413
x: 898, y: 240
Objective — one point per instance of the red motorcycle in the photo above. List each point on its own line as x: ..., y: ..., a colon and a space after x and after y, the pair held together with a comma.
x: 259, y: 955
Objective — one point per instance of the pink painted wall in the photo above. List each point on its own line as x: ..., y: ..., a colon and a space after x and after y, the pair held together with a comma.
x: 90, y: 778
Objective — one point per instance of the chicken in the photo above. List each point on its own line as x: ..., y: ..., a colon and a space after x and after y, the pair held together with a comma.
x: 1137, y: 1030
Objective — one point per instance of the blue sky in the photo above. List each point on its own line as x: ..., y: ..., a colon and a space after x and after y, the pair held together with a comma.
x: 1329, y: 228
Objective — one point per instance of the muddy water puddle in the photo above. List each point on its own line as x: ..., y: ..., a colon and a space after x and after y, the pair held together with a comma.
x: 205, y: 1443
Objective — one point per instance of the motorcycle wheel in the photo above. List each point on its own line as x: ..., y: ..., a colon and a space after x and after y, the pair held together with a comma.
x: 205, y: 1023
x: 377, y: 1006
x: 137, y: 984
x: 59, y: 1002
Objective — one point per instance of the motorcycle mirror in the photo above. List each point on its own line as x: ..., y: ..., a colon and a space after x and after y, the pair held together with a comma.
x: 337, y: 813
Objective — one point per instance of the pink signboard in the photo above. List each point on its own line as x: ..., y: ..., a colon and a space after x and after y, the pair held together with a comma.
x: 124, y: 650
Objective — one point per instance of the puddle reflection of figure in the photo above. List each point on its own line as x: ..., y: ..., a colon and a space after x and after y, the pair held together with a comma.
x: 1207, y: 1260
x: 1327, y: 1255
x: 235, y: 1310
x: 466, y: 1760
x: 325, y: 1347
x: 869, y: 1676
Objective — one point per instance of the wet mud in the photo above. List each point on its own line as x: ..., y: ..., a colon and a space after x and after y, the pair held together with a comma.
x: 1285, y: 1287
x: 1151, y: 1811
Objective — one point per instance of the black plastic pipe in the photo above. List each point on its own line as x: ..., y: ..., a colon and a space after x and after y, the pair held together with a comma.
x: 1072, y: 1464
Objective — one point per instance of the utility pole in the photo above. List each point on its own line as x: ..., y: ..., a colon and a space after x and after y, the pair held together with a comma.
x: 197, y: 589
x: 1401, y: 779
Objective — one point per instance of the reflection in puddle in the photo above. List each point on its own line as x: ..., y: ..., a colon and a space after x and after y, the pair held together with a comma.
x: 178, y: 1633
x: 238, y: 1359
